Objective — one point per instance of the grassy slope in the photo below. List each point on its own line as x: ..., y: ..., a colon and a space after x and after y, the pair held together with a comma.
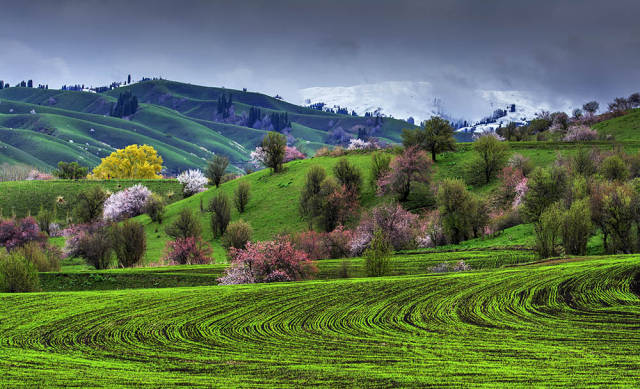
x: 567, y: 323
x: 623, y: 128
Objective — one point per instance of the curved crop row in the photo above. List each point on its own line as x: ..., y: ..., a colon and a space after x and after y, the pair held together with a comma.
x: 572, y: 323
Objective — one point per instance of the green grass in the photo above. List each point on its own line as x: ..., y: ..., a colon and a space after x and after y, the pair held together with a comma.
x: 623, y: 128
x: 558, y: 323
x: 24, y: 197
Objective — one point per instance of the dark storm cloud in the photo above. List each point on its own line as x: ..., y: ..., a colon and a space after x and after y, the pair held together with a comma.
x: 570, y: 49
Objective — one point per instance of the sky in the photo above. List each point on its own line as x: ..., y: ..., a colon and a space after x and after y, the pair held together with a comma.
x: 571, y: 50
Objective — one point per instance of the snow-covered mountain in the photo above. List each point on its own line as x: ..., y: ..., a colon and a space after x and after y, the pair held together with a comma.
x: 421, y: 100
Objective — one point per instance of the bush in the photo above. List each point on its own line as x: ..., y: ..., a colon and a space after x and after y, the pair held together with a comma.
x: 188, y: 251
x: 548, y: 231
x: 193, y: 181
x: 129, y: 242
x: 491, y: 155
x: 241, y: 196
x: 43, y: 257
x: 70, y: 171
x: 545, y: 187
x: 216, y: 168
x: 410, y: 167
x: 272, y: 261
x: 584, y: 162
x: 45, y: 218
x: 238, y: 235
x: 348, y: 175
x: 580, y: 133
x: 613, y: 168
x: 520, y: 162
x: 311, y: 200
x: 17, y: 234
x: 186, y: 225
x: 292, y: 154
x: 220, y: 214
x: 509, y: 219
x: 127, y: 203
x: 377, y: 255
x: 380, y: 162
x: 339, y: 204
x: 17, y: 274
x: 95, y: 248
x: 90, y: 204
x: 397, y: 225
x: 154, y: 207
x: 577, y: 228
x: 455, y: 204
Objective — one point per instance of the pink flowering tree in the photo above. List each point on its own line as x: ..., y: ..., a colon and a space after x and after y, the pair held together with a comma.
x: 126, y: 203
x: 271, y: 261
x: 292, y: 153
x: 580, y: 133
x: 193, y: 181
x: 410, y: 167
x: 16, y: 234
x: 399, y: 226
x: 188, y: 251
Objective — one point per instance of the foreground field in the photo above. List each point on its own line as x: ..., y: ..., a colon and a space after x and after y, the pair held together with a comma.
x: 572, y: 323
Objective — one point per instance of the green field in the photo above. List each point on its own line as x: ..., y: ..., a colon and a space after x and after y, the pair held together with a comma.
x: 569, y: 323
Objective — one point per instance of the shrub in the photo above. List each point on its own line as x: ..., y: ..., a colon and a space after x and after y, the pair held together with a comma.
x: 43, y: 257
x: 129, y: 242
x: 548, y: 231
x: 519, y: 161
x: 154, y: 207
x: 613, y: 168
x: 70, y: 171
x: 238, y: 234
x: 431, y: 233
x: 268, y: 262
x: 220, y: 214
x: 90, y: 204
x: 455, y: 204
x: 16, y: 234
x: 508, y: 219
x: 380, y: 162
x: 410, y: 167
x: 74, y: 235
x: 193, y: 181
x: 580, y: 133
x: 584, y: 162
x: 216, y: 168
x: 292, y: 154
x: 188, y: 251
x: 95, y: 248
x: 45, y: 218
x: 576, y: 228
x: 310, y: 205
x: 398, y: 225
x: 339, y: 204
x: 348, y: 176
x: 377, y: 255
x: 545, y: 187
x: 17, y: 274
x: 127, y: 203
x: 359, y: 144
x: 324, y: 245
x: 186, y: 225
x: 510, y: 178
x: 241, y: 196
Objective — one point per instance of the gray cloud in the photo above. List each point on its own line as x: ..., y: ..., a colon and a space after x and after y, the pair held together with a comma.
x: 576, y: 50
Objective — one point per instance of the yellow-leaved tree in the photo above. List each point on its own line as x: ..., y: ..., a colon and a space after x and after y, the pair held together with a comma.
x: 139, y: 162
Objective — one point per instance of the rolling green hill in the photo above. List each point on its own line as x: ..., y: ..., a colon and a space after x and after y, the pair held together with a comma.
x: 179, y: 120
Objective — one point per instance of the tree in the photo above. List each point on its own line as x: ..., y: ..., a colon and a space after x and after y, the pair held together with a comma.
x: 491, y: 156
x: 129, y: 242
x: 216, y: 168
x: 576, y: 228
x: 70, y: 171
x: 186, y: 225
x: 137, y: 162
x: 237, y: 236
x: 380, y: 162
x: 274, y: 145
x: 546, y: 186
x: 241, y: 196
x: 509, y: 132
x: 548, y: 231
x: 348, y: 175
x: 613, y: 168
x: 90, y: 204
x: 220, y: 214
x: 411, y: 166
x: 634, y: 100
x: 435, y: 136
x: 377, y: 255
x: 338, y: 204
x: 591, y: 107
x: 455, y: 205
x: 310, y: 205
x: 126, y: 105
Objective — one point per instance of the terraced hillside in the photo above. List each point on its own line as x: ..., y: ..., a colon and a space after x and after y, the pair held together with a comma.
x: 568, y: 323
x: 41, y: 127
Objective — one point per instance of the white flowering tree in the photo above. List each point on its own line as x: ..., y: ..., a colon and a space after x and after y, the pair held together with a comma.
x: 126, y: 203
x: 193, y: 181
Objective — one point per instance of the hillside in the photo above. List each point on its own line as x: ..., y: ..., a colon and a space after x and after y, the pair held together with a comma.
x: 179, y: 120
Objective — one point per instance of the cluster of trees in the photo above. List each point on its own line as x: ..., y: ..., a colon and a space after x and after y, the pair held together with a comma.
x: 126, y: 105
x: 224, y: 106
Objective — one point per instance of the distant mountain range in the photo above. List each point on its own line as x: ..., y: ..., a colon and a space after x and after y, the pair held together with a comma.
x: 183, y: 122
